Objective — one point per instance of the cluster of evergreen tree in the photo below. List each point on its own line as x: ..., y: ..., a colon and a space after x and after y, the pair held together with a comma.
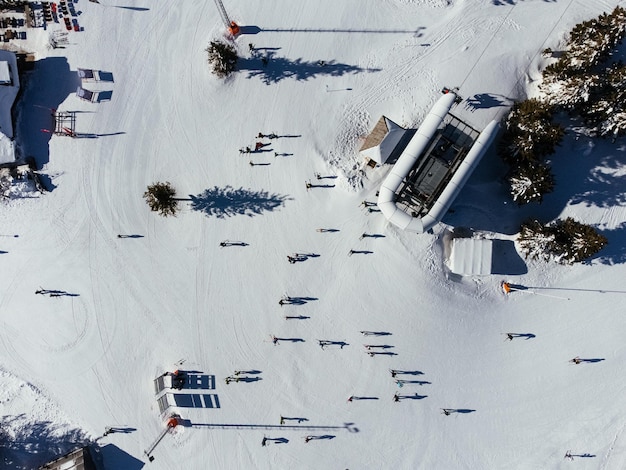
x: 582, y: 83
x: 530, y: 136
x: 564, y: 240
x: 222, y: 57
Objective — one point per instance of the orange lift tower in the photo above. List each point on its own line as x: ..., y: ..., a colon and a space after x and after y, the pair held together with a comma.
x: 232, y: 27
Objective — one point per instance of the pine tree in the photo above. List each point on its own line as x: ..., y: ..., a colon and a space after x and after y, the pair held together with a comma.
x: 575, y: 242
x: 161, y: 198
x: 565, y: 241
x: 535, y: 240
x: 606, y: 114
x: 590, y: 43
x: 530, y: 182
x: 530, y: 133
x: 223, y: 58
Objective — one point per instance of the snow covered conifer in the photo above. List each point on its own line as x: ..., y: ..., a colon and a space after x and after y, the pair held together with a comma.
x: 535, y: 240
x: 606, y: 114
x: 529, y: 182
x: 222, y: 57
x: 590, y: 43
x: 575, y: 242
x: 161, y: 198
x: 566, y: 241
x: 530, y: 133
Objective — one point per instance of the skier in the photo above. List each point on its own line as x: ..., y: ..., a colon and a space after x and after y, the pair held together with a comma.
x: 274, y: 340
x: 291, y: 259
x: 318, y: 176
x: 282, y: 420
x: 308, y: 185
x: 264, y: 441
x: 258, y: 146
x: 308, y: 438
x: 393, y: 373
x: 509, y: 336
x: 272, y: 136
x: 351, y: 398
x: 396, y: 397
x: 576, y: 360
x: 260, y: 135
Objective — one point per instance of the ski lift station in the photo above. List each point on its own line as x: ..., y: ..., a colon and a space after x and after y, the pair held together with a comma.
x: 432, y: 168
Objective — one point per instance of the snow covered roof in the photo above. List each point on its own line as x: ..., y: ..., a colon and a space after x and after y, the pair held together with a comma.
x: 471, y: 256
x: 7, y: 149
x: 79, y: 459
x: 5, y: 73
x: 382, y: 141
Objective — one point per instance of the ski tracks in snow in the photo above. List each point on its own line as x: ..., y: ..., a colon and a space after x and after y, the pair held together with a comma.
x: 618, y: 446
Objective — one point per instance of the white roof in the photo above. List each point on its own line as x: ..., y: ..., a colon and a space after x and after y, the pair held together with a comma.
x: 381, y: 152
x: 5, y: 73
x: 471, y: 256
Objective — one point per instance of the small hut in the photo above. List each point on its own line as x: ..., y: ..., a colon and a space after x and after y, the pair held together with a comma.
x: 471, y: 256
x: 383, y: 143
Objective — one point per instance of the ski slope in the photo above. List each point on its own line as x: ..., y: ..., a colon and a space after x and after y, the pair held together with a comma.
x: 172, y: 298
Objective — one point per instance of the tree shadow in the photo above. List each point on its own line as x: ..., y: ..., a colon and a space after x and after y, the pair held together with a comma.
x: 272, y: 69
x: 228, y: 202
x: 31, y: 444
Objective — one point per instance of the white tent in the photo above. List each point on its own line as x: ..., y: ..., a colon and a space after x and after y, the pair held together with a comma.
x: 471, y: 256
x: 382, y: 141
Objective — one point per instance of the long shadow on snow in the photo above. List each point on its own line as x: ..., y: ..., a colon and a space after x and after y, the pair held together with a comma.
x: 228, y: 202
x: 280, y: 68
x: 45, y: 88
x: 35, y: 443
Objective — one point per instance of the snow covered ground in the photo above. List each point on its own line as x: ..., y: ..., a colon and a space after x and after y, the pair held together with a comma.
x: 134, y: 307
